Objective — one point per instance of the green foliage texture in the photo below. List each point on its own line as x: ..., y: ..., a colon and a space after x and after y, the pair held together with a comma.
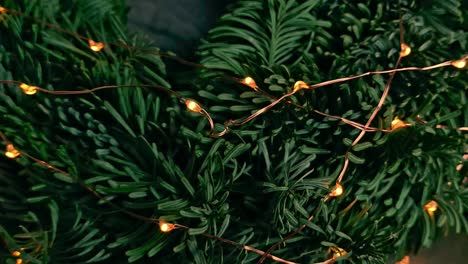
x: 140, y: 148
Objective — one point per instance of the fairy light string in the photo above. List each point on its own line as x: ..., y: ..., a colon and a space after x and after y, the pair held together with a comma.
x: 404, y: 260
x: 338, y: 189
x: 193, y: 106
x: 373, y: 115
x: 98, y: 46
x: 405, y: 50
x: 164, y: 227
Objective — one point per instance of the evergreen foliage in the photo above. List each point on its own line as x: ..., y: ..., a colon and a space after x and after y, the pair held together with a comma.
x: 141, y: 149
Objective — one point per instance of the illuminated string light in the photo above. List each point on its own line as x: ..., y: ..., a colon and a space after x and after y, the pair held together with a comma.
x: 166, y: 227
x: 460, y: 64
x: 249, y: 81
x: 3, y: 10
x: 338, y: 252
x: 16, y: 253
x: 404, y: 260
x: 196, y: 108
x: 405, y: 50
x: 19, y: 261
x: 397, y: 123
x: 336, y: 191
x: 460, y: 166
x: 11, y: 152
x: 431, y: 206
x: 95, y: 46
x: 193, y: 106
x: 28, y: 89
x: 299, y: 85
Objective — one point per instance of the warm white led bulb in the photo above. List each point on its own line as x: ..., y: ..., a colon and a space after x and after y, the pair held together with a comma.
x: 405, y: 50
x: 95, y: 46
x: 11, y: 152
x: 166, y: 227
x: 460, y: 64
x: 337, y: 190
x: 193, y: 106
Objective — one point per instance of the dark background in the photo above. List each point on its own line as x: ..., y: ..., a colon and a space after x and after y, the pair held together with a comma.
x: 178, y: 25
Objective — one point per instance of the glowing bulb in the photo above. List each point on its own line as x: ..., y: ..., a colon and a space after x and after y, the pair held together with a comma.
x: 166, y: 227
x: 337, y: 190
x: 460, y: 64
x: 11, y: 152
x: 193, y: 106
x: 397, y: 123
x: 431, y: 206
x: 460, y: 166
x: 405, y: 50
x: 27, y: 89
x: 404, y: 260
x: 338, y: 252
x: 19, y: 261
x: 249, y: 81
x: 2, y: 9
x: 299, y: 85
x: 95, y: 46
x: 15, y: 253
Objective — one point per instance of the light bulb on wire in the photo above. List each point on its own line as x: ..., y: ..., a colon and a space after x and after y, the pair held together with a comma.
x: 460, y: 64
x: 28, y: 89
x: 405, y: 50
x: 404, y: 260
x: 193, y: 106
x: 2, y: 9
x: 166, y: 227
x: 431, y: 206
x: 299, y: 85
x: 11, y: 152
x: 16, y: 253
x: 460, y: 166
x: 336, y: 191
x: 249, y: 81
x: 397, y: 123
x: 338, y: 252
x: 95, y: 46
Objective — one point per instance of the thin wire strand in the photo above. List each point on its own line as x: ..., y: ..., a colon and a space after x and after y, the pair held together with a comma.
x: 249, y: 118
x: 87, y: 91
x: 396, y: 69
x: 251, y: 249
x: 208, y: 116
x: 346, y: 162
x: 373, y: 115
x: 117, y: 44
x: 364, y: 128
x: 347, y: 121
x: 138, y: 216
x: 380, y: 104
x: 295, y: 232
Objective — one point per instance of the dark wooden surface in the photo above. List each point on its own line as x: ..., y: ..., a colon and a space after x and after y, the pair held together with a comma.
x: 177, y: 25
x: 451, y: 250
